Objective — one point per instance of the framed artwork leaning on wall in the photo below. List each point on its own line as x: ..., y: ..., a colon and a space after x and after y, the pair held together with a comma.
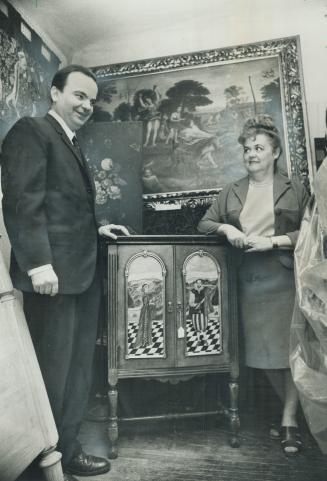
x: 113, y: 153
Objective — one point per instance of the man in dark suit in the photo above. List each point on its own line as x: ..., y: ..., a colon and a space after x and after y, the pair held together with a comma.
x: 48, y: 207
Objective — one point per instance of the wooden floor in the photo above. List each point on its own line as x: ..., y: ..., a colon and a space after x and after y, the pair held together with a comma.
x: 195, y: 450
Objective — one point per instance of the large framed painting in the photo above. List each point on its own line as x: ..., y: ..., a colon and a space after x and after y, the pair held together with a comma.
x: 193, y: 106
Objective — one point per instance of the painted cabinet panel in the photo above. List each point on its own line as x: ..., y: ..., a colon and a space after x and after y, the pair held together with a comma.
x: 175, y: 309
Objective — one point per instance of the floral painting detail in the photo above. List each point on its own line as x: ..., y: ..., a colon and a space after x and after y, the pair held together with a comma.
x: 107, y: 181
x: 113, y: 152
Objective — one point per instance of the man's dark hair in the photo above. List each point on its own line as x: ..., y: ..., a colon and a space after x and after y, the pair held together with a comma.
x: 60, y: 78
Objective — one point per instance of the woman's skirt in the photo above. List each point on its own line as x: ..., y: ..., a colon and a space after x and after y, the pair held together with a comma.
x: 266, y: 301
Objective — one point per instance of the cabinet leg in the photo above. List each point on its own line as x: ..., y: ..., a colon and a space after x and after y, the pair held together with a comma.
x: 113, y: 421
x: 51, y: 465
x: 233, y: 414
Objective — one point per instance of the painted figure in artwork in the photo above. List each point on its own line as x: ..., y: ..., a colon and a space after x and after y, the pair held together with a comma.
x: 199, y: 303
x: 174, y: 125
x: 151, y: 115
x: 203, y: 143
x: 14, y: 99
x: 144, y: 333
x: 151, y: 183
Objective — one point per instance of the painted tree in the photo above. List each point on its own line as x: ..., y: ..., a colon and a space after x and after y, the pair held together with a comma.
x: 100, y: 115
x: 166, y: 106
x: 107, y: 91
x: 233, y: 95
x: 189, y: 94
x: 123, y: 112
x: 271, y: 92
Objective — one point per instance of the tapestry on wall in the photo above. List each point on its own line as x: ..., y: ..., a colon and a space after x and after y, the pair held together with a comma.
x: 26, y: 69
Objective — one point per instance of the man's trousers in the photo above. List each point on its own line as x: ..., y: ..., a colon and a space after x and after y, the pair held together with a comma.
x: 63, y: 329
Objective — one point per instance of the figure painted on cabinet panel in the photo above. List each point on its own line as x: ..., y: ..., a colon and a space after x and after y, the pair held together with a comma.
x: 203, y: 316
x: 144, y: 333
x: 145, y: 306
x: 199, y: 310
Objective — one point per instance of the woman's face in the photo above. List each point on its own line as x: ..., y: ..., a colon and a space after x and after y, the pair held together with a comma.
x: 259, y: 155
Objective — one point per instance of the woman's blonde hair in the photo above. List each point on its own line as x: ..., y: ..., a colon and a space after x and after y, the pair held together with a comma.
x: 261, y: 124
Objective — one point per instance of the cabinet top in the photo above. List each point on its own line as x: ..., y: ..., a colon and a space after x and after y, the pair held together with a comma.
x: 168, y: 239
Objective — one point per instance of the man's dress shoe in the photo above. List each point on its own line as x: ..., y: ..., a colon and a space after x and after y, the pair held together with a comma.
x: 87, y: 465
x: 69, y: 477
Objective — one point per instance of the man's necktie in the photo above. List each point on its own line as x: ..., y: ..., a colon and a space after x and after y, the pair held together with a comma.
x: 77, y: 147
x: 84, y: 168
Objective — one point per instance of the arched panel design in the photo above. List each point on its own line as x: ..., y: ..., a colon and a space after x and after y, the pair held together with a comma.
x: 145, y: 285
x: 202, y: 301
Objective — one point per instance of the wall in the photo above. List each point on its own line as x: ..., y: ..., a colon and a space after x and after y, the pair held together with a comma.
x: 213, y: 24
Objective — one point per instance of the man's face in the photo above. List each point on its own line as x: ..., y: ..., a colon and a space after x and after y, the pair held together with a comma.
x: 75, y: 103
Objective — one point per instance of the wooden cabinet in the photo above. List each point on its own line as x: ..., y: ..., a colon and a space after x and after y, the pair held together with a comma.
x: 171, y: 313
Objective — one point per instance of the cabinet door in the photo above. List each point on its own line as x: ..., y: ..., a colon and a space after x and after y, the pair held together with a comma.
x: 145, y: 306
x: 202, y: 306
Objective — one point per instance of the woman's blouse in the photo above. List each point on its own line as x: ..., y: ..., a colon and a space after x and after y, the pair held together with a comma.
x: 257, y: 216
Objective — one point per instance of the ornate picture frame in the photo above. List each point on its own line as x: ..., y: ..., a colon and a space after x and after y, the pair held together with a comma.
x: 193, y: 106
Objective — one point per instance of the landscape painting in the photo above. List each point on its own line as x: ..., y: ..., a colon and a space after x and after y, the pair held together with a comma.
x: 192, y: 119
x: 192, y: 108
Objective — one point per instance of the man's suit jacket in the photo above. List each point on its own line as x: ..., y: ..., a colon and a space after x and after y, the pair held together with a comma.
x: 48, y: 205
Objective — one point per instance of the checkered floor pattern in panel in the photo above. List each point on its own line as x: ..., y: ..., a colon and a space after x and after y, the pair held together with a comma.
x: 156, y: 349
x: 214, y: 339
